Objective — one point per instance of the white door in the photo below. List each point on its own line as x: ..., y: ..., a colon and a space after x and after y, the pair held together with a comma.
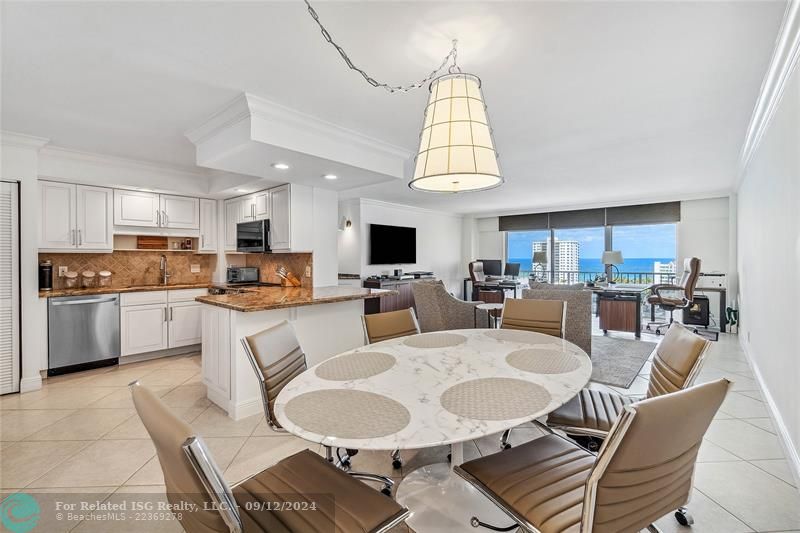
x: 185, y: 324
x: 9, y: 288
x: 95, y: 219
x: 262, y: 205
x: 279, y: 220
x: 232, y: 215
x: 143, y: 328
x: 208, y: 225
x: 57, y: 227
x: 248, y: 208
x: 180, y: 212
x: 136, y: 208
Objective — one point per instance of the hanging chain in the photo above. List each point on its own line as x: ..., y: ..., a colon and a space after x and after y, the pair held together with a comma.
x: 369, y: 79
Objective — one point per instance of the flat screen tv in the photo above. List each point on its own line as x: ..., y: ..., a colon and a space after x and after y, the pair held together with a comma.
x: 392, y: 245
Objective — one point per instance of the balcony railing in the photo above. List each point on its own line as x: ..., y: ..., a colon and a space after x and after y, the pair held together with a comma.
x: 573, y: 276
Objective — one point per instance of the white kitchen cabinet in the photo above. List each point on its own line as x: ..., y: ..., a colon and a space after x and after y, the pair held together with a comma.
x: 94, y: 218
x: 208, y: 225
x: 185, y: 324
x: 136, y: 208
x: 247, y: 206
x: 232, y: 216
x: 57, y: 227
x: 75, y: 217
x: 179, y: 212
x: 262, y: 207
x: 143, y: 328
x: 216, y: 361
x: 280, y: 219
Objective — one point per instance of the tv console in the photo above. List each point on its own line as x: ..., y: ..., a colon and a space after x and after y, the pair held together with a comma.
x: 403, y: 300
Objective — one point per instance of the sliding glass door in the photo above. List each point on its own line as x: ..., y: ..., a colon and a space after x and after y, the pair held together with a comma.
x: 648, y: 252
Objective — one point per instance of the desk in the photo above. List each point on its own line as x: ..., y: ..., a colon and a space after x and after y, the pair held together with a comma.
x: 620, y: 308
x: 505, y: 285
x: 723, y: 305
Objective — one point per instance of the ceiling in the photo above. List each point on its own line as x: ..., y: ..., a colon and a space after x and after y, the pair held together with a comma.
x: 591, y: 102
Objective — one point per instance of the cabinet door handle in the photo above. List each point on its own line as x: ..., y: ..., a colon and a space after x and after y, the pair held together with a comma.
x: 158, y: 218
x: 165, y: 314
x: 170, y: 313
x: 203, y: 240
x: 80, y: 238
x: 72, y: 236
x: 166, y: 219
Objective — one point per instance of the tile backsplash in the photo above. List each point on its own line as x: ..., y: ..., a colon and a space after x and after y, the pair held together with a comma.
x: 294, y: 262
x: 136, y: 268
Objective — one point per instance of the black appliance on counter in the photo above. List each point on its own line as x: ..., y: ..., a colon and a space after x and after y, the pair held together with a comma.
x: 242, y: 275
x: 46, y: 275
x: 253, y: 236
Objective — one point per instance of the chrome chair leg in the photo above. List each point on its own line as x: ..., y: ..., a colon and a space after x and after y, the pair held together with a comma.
x: 475, y: 522
x: 343, y: 463
x: 652, y: 528
x: 397, y: 462
x: 504, y: 444
x: 683, y: 517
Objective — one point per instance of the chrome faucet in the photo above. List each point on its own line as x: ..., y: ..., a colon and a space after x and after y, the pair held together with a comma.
x: 163, y: 269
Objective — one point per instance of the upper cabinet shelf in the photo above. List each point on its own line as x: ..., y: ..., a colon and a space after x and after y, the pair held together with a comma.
x: 151, y: 210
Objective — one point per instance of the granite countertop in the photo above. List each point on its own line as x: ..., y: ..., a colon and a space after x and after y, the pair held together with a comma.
x: 135, y: 288
x: 266, y: 298
x: 349, y: 276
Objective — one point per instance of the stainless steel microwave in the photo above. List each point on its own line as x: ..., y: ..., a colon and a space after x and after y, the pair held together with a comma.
x: 253, y: 236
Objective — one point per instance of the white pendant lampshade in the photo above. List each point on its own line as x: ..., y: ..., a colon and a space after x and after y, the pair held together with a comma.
x: 456, y: 149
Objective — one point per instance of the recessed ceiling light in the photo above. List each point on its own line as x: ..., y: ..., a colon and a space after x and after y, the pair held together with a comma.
x: 280, y: 166
x: 330, y: 176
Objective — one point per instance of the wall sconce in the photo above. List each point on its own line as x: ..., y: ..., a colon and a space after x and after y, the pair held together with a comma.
x: 344, y: 223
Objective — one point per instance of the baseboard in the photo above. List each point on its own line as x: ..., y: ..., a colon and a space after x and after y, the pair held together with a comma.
x: 147, y: 356
x: 30, y: 384
x: 792, y: 454
x: 245, y: 409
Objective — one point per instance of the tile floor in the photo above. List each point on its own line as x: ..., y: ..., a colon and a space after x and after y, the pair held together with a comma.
x: 81, y: 434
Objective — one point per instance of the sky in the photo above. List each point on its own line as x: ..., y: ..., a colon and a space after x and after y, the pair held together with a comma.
x: 654, y: 241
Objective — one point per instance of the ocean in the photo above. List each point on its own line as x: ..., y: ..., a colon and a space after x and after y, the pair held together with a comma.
x: 636, y: 264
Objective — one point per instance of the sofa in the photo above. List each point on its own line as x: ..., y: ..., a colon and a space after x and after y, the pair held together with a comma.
x: 578, y: 326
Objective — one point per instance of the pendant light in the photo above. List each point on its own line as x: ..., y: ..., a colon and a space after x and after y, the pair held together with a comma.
x: 456, y: 149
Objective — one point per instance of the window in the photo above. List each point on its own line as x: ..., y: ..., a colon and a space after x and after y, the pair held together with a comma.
x: 520, y: 246
x: 648, y: 251
x: 574, y: 255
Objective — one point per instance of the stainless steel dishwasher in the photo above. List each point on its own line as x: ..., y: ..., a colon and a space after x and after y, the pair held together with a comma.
x: 83, y: 332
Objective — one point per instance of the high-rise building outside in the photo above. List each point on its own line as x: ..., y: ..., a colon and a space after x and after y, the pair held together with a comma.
x: 664, y: 272
x: 564, y: 256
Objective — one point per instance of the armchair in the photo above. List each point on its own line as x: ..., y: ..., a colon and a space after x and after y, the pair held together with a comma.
x: 438, y: 310
x: 679, y: 296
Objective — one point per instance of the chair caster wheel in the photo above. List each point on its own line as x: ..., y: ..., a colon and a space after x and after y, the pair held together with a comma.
x: 695, y: 331
x: 346, y: 465
x: 351, y: 453
x: 506, y: 446
x: 397, y: 464
x: 386, y: 491
x: 658, y: 332
x: 593, y: 445
x: 449, y: 457
x: 647, y: 328
x: 683, y: 517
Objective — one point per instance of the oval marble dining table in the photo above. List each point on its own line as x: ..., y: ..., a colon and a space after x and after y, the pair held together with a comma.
x: 429, y: 390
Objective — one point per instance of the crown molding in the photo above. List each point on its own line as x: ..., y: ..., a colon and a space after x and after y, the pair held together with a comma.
x: 21, y: 140
x: 248, y: 105
x: 68, y: 154
x: 783, y: 61
x: 393, y: 205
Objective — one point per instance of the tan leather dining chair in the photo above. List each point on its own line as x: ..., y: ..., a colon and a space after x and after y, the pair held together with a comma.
x: 643, y: 471
x: 276, y: 357
x: 541, y: 316
x: 677, y: 360
x: 390, y: 325
x: 313, y: 495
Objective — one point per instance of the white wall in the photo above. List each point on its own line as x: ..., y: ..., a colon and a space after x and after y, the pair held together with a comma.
x: 20, y: 163
x: 703, y: 232
x: 325, y: 207
x: 439, y: 240
x: 769, y: 265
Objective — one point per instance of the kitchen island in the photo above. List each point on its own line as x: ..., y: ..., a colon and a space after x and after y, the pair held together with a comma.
x: 327, y: 321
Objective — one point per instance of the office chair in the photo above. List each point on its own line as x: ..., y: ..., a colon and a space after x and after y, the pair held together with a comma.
x: 670, y: 302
